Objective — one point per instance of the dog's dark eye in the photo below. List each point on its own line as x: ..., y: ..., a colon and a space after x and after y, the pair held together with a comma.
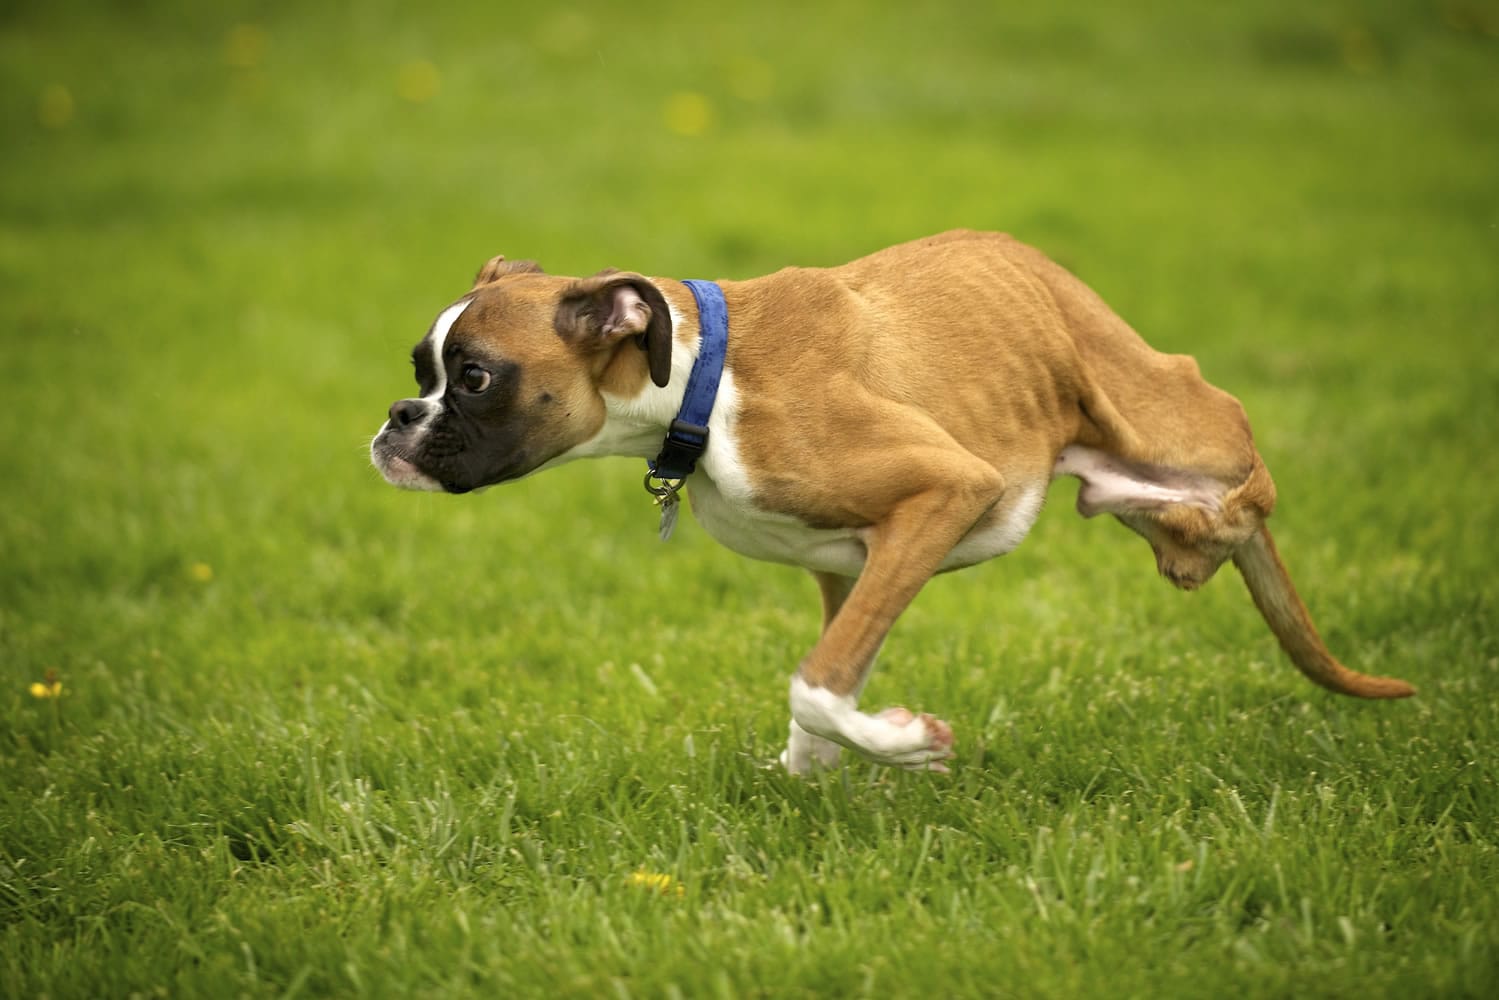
x: 474, y: 379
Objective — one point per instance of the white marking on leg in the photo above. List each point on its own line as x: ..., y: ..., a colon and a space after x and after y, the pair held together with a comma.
x: 806, y: 753
x: 919, y: 743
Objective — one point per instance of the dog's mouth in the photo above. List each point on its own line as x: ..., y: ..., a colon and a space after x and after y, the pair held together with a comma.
x: 401, y: 469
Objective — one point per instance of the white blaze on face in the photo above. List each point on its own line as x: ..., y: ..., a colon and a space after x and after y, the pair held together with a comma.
x: 399, y: 470
x: 439, y: 337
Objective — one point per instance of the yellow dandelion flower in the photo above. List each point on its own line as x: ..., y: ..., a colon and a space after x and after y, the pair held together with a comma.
x: 418, y: 81
x: 655, y: 882
x: 46, y: 689
x: 688, y: 113
x: 201, y: 572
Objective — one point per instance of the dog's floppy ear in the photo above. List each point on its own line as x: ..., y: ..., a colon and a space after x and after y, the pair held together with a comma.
x: 497, y: 267
x: 615, y: 304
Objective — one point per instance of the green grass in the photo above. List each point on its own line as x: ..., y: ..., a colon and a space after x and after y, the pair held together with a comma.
x: 321, y: 737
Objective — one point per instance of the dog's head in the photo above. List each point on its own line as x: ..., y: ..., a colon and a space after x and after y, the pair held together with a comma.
x: 513, y: 374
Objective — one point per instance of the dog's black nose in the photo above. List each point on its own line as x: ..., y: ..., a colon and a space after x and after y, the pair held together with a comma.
x: 406, y: 412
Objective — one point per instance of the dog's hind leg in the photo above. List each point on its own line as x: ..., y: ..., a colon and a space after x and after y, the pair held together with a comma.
x: 1194, y: 523
x: 1185, y: 516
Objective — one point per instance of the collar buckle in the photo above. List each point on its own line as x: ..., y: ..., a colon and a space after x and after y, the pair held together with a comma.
x: 684, y: 445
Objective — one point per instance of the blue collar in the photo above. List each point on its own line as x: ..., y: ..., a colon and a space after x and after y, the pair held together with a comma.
x: 687, y: 438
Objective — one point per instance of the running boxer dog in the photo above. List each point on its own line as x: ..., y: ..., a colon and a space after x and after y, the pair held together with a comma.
x: 874, y: 423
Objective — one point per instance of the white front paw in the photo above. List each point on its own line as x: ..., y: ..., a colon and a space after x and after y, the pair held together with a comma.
x: 806, y: 753
x: 896, y: 737
x: 929, y: 737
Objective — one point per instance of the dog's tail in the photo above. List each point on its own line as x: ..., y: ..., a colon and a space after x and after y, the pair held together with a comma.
x: 1273, y: 594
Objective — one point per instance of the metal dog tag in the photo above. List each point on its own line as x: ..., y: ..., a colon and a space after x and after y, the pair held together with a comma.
x: 670, y: 507
x: 666, y: 498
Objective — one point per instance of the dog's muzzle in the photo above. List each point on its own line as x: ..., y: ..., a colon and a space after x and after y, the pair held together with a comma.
x: 399, y: 439
x: 405, y: 413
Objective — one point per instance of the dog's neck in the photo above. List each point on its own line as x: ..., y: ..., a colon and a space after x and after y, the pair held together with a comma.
x: 636, y: 424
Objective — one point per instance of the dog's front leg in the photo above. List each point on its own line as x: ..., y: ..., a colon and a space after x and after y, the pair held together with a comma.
x: 904, y: 550
x: 804, y: 752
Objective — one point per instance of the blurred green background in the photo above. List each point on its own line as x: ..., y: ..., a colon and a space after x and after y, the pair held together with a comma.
x: 222, y: 226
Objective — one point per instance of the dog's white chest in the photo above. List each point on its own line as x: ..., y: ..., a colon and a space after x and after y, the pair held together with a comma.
x: 735, y: 523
